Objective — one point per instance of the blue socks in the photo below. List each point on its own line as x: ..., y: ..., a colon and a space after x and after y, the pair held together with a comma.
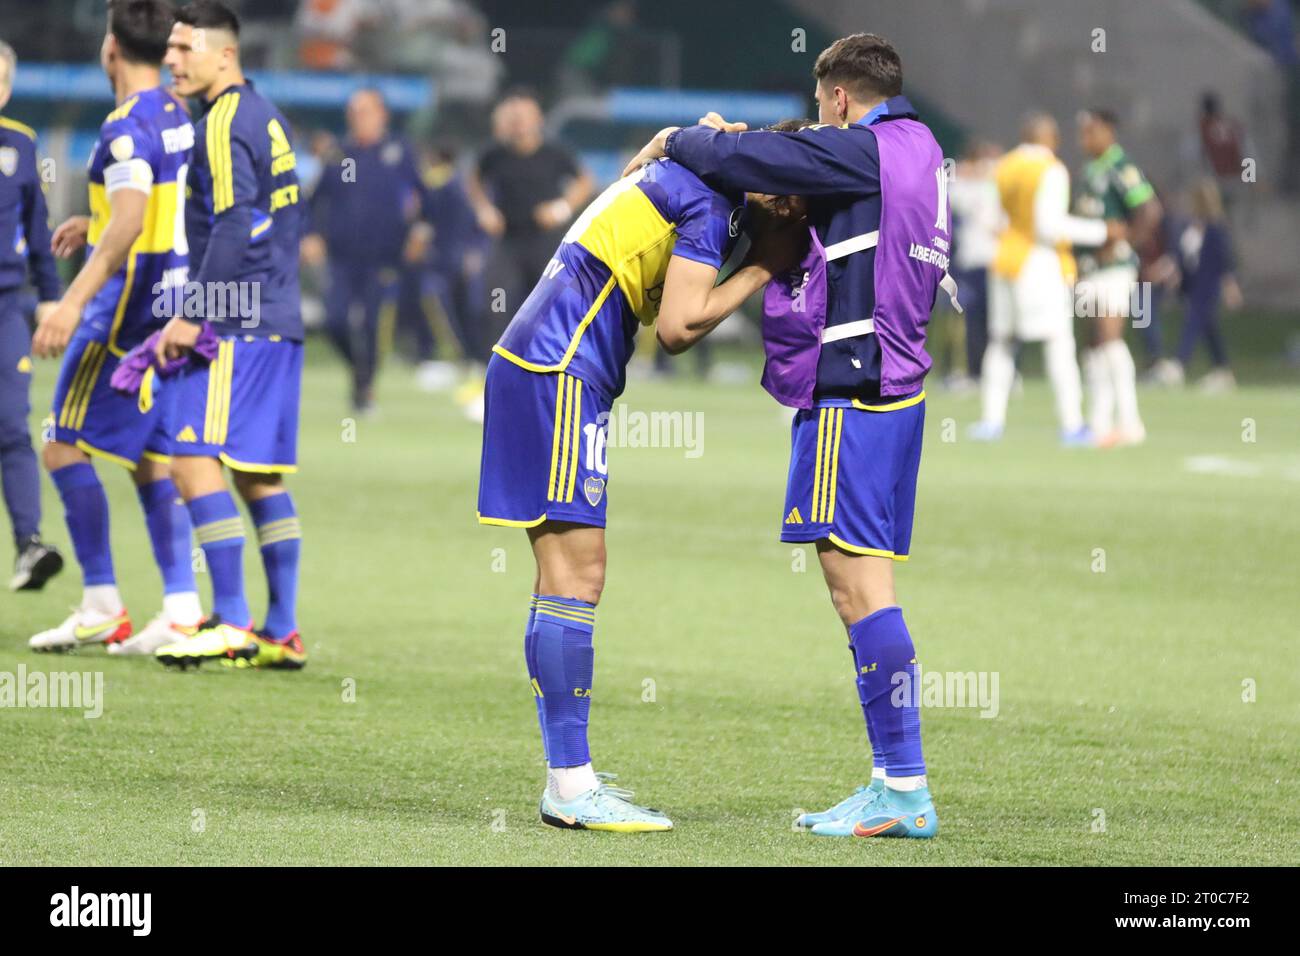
x: 877, y: 752
x: 169, y: 532
x: 85, y: 507
x: 562, y: 665
x: 530, y: 660
x: 220, y: 531
x: 882, y: 649
x: 280, y: 535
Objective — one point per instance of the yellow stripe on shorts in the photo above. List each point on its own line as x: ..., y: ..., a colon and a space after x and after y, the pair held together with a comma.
x: 832, y: 479
x: 577, y: 430
x: 71, y: 401
x: 564, y: 442
x: 216, y: 421
x: 817, y: 463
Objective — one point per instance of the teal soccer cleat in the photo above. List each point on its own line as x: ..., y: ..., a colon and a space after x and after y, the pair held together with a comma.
x: 851, y: 807
x: 605, y: 808
x: 894, y: 814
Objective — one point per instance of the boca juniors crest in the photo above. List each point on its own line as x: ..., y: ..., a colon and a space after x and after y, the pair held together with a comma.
x: 8, y: 160
x: 593, y: 488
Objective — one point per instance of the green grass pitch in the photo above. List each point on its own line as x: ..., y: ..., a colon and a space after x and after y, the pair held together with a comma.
x: 1122, y: 735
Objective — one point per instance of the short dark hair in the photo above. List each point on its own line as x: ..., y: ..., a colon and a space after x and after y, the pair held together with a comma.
x: 1104, y: 116
x: 141, y: 28
x: 791, y: 125
x: 208, y: 14
x: 864, y: 64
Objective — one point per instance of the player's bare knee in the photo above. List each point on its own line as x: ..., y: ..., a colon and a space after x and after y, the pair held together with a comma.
x: 254, y: 485
x: 149, y: 470
x: 58, y: 454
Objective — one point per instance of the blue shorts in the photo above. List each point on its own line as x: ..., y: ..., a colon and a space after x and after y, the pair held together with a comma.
x: 853, y: 476
x: 242, y: 407
x: 89, y: 413
x: 544, y: 443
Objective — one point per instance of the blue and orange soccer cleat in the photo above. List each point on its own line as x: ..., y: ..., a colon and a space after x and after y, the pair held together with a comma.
x: 893, y: 814
x: 604, y: 808
x: 851, y: 807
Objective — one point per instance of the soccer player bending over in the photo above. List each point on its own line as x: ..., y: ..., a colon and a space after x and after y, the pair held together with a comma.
x: 649, y: 247
x: 137, y: 184
x: 241, y: 410
x: 876, y: 192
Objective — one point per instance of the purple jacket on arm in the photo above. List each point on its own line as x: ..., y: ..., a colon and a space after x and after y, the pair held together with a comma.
x: 876, y: 186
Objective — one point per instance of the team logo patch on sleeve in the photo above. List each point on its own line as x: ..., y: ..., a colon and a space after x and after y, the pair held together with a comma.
x: 593, y: 488
x: 122, y: 148
x: 8, y: 160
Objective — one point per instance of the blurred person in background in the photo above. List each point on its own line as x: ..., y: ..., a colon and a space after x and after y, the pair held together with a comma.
x: 1113, y: 188
x: 1154, y: 269
x: 363, y: 214
x: 1202, y: 256
x: 457, y: 259
x: 597, y: 58
x: 25, y: 224
x: 977, y: 222
x: 1032, y: 274
x: 525, y: 190
x: 426, y: 289
x: 327, y: 31
x: 1271, y: 24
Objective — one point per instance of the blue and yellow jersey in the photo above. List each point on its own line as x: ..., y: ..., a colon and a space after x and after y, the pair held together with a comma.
x: 244, y: 217
x: 144, y: 145
x: 607, y: 277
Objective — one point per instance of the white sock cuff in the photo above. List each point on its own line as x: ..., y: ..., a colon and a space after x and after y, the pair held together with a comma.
x: 103, y: 598
x: 905, y: 784
x: 183, y: 608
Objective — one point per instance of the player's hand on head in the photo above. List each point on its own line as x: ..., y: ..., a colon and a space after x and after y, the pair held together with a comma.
x: 70, y: 236
x: 55, y: 323
x: 655, y: 149
x: 715, y: 121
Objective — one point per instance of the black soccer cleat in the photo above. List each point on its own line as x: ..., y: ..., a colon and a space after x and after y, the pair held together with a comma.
x: 36, y: 563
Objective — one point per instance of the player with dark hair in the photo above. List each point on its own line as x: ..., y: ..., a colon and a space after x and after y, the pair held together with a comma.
x: 875, y: 186
x: 1114, y: 189
x: 243, y: 219
x: 137, y: 184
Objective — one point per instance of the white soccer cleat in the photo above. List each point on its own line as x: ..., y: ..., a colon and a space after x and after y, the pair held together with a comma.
x: 1124, y: 437
x: 159, y: 632
x: 435, y: 376
x: 1217, y: 381
x: 83, y: 626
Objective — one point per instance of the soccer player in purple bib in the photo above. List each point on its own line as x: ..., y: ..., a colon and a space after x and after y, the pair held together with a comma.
x: 875, y: 187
